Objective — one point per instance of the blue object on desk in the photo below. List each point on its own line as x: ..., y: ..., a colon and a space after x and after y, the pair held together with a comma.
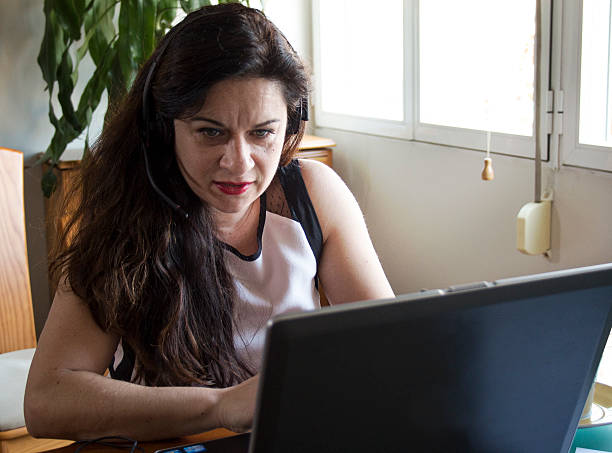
x: 593, y: 437
x: 194, y: 448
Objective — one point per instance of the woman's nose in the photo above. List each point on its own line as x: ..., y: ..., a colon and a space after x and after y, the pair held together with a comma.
x: 237, y: 156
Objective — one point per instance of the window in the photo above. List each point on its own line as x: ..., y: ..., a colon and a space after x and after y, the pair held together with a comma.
x: 446, y: 72
x: 353, y: 52
x: 595, y: 74
x: 586, y: 63
x: 360, y: 71
x: 476, y: 74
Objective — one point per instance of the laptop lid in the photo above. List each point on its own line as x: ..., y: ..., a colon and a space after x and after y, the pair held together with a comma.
x: 501, y: 366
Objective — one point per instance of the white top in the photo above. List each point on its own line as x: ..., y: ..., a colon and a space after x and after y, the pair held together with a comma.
x: 280, y: 278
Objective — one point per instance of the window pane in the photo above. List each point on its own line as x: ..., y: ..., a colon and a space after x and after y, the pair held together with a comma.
x: 476, y: 64
x: 361, y: 54
x: 595, y: 126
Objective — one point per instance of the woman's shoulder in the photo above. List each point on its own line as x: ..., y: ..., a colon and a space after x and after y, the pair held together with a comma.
x: 330, y: 196
x: 317, y: 175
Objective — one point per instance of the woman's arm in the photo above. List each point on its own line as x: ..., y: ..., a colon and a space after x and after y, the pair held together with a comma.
x: 67, y: 395
x: 349, y: 269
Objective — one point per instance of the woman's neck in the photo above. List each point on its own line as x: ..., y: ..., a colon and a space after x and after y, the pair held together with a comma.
x: 239, y: 229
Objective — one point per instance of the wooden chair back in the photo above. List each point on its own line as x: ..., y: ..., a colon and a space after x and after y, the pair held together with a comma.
x: 17, y: 329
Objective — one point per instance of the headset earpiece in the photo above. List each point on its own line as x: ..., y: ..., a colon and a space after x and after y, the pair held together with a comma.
x: 301, y: 114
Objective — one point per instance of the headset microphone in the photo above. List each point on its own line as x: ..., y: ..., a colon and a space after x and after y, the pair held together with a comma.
x: 177, y: 207
x: 145, y: 119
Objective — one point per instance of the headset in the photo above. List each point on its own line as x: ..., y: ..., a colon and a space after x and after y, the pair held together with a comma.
x: 293, y: 127
x: 146, y: 126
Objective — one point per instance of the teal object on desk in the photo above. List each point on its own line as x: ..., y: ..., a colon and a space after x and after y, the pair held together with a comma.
x: 597, y: 437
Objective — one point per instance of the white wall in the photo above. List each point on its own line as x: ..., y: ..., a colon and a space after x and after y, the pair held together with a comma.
x: 435, y: 223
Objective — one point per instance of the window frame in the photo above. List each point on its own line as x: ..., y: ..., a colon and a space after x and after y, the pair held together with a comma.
x: 571, y: 151
x: 411, y: 128
x: 501, y: 143
x: 559, y: 97
x: 387, y: 128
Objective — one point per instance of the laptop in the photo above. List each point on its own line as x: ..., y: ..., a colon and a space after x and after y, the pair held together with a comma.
x: 503, y: 366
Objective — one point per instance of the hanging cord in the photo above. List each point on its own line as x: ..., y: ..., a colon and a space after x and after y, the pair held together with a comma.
x: 487, y: 173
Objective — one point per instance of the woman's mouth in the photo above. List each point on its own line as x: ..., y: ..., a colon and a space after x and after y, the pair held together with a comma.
x: 232, y: 188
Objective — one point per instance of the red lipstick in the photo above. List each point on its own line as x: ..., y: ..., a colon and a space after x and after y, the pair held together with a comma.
x: 232, y: 188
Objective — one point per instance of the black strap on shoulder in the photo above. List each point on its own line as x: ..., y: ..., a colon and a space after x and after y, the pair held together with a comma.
x: 124, y: 369
x: 300, y: 205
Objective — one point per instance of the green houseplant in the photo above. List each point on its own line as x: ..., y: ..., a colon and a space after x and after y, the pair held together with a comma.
x: 118, y: 36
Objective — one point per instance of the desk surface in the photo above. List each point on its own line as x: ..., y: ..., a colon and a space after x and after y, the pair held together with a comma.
x: 314, y: 142
x: 150, y: 447
x: 602, y: 400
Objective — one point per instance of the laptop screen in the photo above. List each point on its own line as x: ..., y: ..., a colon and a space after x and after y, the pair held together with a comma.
x: 505, y: 367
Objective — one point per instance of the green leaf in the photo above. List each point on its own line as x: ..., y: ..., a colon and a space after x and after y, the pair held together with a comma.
x: 192, y: 5
x: 130, y: 44
x: 66, y: 81
x: 63, y: 135
x: 95, y: 87
x: 166, y: 12
x: 86, y: 145
x: 115, y: 84
x: 99, y: 29
x: 51, y: 48
x: 70, y: 16
x: 52, y: 118
x: 49, y: 182
x: 149, y: 16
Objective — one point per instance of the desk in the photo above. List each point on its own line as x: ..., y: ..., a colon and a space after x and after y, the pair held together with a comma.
x: 150, y: 447
x: 316, y: 148
x: 596, y: 432
x: 593, y: 434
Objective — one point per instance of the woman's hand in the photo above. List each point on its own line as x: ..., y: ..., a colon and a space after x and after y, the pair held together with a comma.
x: 236, y: 405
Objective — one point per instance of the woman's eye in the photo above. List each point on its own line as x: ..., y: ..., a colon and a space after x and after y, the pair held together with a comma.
x: 209, y: 132
x: 262, y: 133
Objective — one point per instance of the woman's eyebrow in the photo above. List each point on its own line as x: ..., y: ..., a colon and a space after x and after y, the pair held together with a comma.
x: 201, y: 118
x: 220, y: 124
x: 265, y: 123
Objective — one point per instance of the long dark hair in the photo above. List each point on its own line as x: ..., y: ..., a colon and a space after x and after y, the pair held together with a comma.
x: 155, y: 278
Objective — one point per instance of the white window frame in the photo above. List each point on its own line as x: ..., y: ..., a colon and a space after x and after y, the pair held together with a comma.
x: 559, y: 101
x: 388, y: 128
x: 508, y: 144
x: 571, y: 152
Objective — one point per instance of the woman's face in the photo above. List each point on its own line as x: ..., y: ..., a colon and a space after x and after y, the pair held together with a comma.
x: 229, y: 151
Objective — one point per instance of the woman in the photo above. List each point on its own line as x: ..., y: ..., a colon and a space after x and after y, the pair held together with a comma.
x: 194, y: 227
